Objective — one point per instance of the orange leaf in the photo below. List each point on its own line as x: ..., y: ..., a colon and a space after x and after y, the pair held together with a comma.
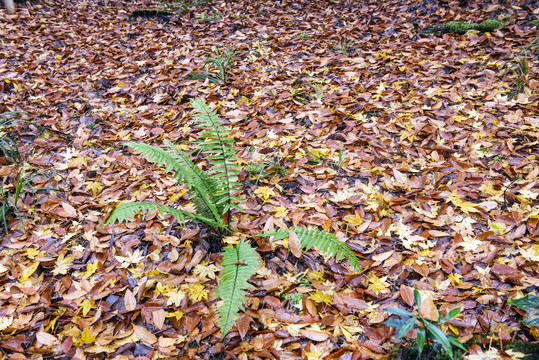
x: 407, y: 295
x: 428, y: 309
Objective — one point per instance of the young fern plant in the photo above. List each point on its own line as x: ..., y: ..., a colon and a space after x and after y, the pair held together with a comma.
x: 211, y: 191
x: 326, y: 243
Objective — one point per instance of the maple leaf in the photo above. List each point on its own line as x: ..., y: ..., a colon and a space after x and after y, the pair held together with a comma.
x: 455, y: 279
x: 25, y: 276
x: 314, y: 355
x: 85, y: 337
x: 354, y: 220
x: 90, y: 269
x: 63, y: 264
x: 343, y: 195
x: 32, y: 253
x: 175, y: 314
x: 205, y: 271
x: 5, y: 322
x: 86, y: 306
x: 265, y: 192
x: 196, y: 292
x: 465, y: 206
x: 175, y: 297
x: 530, y: 253
x: 94, y: 186
x: 348, y: 331
x: 378, y: 285
x: 494, y: 354
x: 132, y: 258
x: 470, y: 244
x: 280, y: 211
x: 321, y: 297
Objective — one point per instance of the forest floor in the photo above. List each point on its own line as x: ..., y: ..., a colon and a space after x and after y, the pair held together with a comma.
x: 420, y: 150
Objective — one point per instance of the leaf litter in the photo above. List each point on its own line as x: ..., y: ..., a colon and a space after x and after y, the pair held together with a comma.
x: 412, y: 147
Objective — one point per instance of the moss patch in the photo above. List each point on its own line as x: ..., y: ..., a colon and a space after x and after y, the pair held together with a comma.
x: 457, y: 27
x: 530, y: 349
x: 489, y: 25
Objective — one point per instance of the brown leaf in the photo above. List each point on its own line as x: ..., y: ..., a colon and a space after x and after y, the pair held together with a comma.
x: 294, y: 244
x: 428, y: 310
x: 144, y: 335
x: 314, y: 335
x: 130, y: 302
x: 158, y: 317
x: 407, y: 295
x: 243, y: 325
x: 46, y: 338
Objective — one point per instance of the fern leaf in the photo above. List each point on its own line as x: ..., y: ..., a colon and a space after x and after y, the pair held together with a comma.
x: 128, y: 210
x: 202, y: 186
x: 326, y: 243
x: 217, y: 145
x: 240, y: 263
x: 158, y: 156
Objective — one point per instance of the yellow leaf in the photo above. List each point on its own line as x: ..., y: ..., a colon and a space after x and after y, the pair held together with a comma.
x: 63, y: 264
x: 5, y: 322
x: 378, y: 285
x: 94, y: 186
x: 280, y: 211
x: 86, y: 306
x: 321, y: 297
x: 197, y: 292
x: 28, y: 272
x: 32, y: 253
x: 455, y: 279
x: 264, y: 192
x: 205, y: 271
x: 176, y: 314
x: 175, y: 297
x: 90, y: 269
x: 498, y: 228
x: 315, y: 355
x: 354, y: 220
x: 85, y: 336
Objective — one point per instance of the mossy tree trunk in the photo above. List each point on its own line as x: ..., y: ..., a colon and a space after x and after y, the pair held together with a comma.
x: 10, y: 6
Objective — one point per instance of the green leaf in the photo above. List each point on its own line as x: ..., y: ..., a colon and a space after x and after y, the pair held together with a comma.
x: 417, y: 298
x: 526, y: 303
x: 326, y: 243
x: 395, y: 323
x: 452, y: 314
x: 439, y: 336
x: 407, y: 327
x: 421, y: 337
x: 453, y: 340
x: 240, y: 263
x: 532, y: 322
x: 399, y: 311
x: 128, y: 210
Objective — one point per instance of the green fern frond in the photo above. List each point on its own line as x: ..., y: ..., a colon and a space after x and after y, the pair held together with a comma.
x: 158, y: 156
x: 128, y: 210
x: 240, y: 263
x: 326, y: 243
x: 217, y: 145
x: 211, y: 191
x: 200, y: 183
